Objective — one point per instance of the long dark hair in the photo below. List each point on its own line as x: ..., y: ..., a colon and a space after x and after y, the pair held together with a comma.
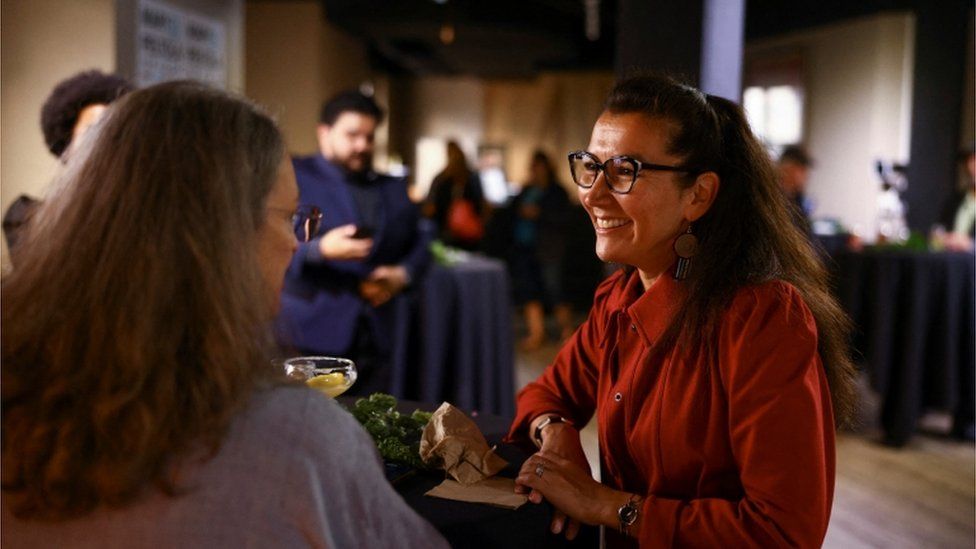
x: 747, y: 236
x: 133, y: 321
x: 456, y: 172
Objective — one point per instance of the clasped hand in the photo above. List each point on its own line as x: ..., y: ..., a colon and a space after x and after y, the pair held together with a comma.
x: 383, y: 283
x: 565, y: 481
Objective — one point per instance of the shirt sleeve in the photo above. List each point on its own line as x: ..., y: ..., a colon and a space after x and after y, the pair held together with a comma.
x: 309, y: 254
x: 352, y: 504
x: 568, y: 386
x: 781, y: 431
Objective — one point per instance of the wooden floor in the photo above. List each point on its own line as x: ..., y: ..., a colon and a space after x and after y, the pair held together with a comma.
x: 919, y: 496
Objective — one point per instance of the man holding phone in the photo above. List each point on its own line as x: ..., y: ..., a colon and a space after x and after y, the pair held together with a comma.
x: 344, y: 289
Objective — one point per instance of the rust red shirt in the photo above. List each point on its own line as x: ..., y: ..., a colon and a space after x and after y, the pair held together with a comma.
x: 734, y: 450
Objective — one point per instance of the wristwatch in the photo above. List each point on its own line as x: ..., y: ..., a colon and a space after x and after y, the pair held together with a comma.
x: 537, y: 435
x: 628, y: 513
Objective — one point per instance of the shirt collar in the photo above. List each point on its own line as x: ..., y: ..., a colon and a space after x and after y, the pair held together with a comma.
x: 651, y: 311
x: 337, y: 171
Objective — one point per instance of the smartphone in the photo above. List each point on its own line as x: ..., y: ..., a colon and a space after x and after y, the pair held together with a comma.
x: 363, y: 231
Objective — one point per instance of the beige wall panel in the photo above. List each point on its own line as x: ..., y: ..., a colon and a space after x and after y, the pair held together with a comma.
x: 41, y: 43
x: 554, y: 112
x: 294, y: 61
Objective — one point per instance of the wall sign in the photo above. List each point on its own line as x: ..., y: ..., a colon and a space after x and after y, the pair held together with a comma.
x: 173, y: 44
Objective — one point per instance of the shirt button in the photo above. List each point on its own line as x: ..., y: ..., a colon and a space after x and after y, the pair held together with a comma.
x: 617, y: 397
x: 633, y: 327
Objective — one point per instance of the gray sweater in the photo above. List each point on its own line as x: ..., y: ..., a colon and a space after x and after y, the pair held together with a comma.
x: 295, y: 470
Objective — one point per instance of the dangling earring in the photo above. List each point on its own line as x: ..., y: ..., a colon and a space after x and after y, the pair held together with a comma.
x: 685, y: 246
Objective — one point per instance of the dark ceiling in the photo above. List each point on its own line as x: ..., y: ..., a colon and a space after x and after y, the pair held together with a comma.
x: 518, y: 38
x: 492, y: 38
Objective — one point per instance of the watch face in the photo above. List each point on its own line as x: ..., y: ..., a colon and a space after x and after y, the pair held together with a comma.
x: 627, y: 514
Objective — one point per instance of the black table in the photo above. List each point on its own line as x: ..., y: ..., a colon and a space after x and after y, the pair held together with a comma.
x: 914, y: 327
x: 473, y: 525
x: 456, y: 344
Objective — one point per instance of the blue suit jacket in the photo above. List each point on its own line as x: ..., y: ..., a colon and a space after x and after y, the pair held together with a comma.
x: 320, y: 305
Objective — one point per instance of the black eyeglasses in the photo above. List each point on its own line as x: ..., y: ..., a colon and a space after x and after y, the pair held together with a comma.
x: 306, y: 221
x: 621, y: 171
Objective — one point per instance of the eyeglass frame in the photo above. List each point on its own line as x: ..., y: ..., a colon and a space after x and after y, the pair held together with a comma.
x: 301, y: 218
x: 638, y: 166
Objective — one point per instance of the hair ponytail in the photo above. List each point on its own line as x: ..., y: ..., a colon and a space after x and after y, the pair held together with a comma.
x: 747, y: 237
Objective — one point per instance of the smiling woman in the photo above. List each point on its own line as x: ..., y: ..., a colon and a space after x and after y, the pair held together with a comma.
x: 715, y: 362
x: 140, y: 407
x: 636, y: 223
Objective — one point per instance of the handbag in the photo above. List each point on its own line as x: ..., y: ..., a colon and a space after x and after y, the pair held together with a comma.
x: 463, y: 222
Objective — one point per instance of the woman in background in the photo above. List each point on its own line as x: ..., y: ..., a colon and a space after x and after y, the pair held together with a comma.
x: 540, y: 231
x: 456, y: 202
x: 139, y: 405
x: 715, y: 362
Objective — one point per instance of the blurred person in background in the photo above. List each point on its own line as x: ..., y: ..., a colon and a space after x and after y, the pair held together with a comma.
x: 494, y: 184
x: 74, y: 105
x: 715, y: 362
x: 344, y: 286
x: 456, y: 202
x: 536, y: 260
x: 959, y: 214
x: 794, y: 171
x: 140, y: 408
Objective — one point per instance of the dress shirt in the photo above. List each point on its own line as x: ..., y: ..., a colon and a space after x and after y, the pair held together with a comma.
x: 733, y: 448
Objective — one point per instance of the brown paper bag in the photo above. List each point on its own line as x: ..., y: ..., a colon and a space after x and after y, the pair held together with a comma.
x: 497, y: 491
x: 451, y: 441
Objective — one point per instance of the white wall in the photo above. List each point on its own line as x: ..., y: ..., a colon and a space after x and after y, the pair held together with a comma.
x: 858, y: 79
x: 43, y: 42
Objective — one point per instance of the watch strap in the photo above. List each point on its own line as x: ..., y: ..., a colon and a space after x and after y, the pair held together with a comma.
x: 537, y: 435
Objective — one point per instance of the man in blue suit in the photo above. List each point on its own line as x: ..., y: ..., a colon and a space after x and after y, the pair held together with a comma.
x: 344, y: 291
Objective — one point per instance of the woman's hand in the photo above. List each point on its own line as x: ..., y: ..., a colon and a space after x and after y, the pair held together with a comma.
x: 570, y: 489
x: 562, y: 440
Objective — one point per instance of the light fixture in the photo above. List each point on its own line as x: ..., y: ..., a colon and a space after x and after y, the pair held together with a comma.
x: 592, y: 24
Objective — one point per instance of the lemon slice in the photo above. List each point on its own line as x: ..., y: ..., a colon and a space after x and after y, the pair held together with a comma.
x: 332, y: 385
x: 327, y: 381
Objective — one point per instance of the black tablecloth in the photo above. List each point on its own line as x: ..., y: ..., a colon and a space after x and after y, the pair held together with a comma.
x: 472, y: 525
x: 915, y: 323
x: 466, y: 354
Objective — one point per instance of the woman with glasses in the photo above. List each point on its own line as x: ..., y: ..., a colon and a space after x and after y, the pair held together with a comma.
x: 140, y: 408
x: 714, y: 362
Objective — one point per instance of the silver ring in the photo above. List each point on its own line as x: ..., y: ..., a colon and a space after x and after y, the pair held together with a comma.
x: 539, y: 470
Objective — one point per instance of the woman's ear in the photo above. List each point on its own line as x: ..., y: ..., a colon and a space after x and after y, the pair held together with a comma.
x: 702, y: 194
